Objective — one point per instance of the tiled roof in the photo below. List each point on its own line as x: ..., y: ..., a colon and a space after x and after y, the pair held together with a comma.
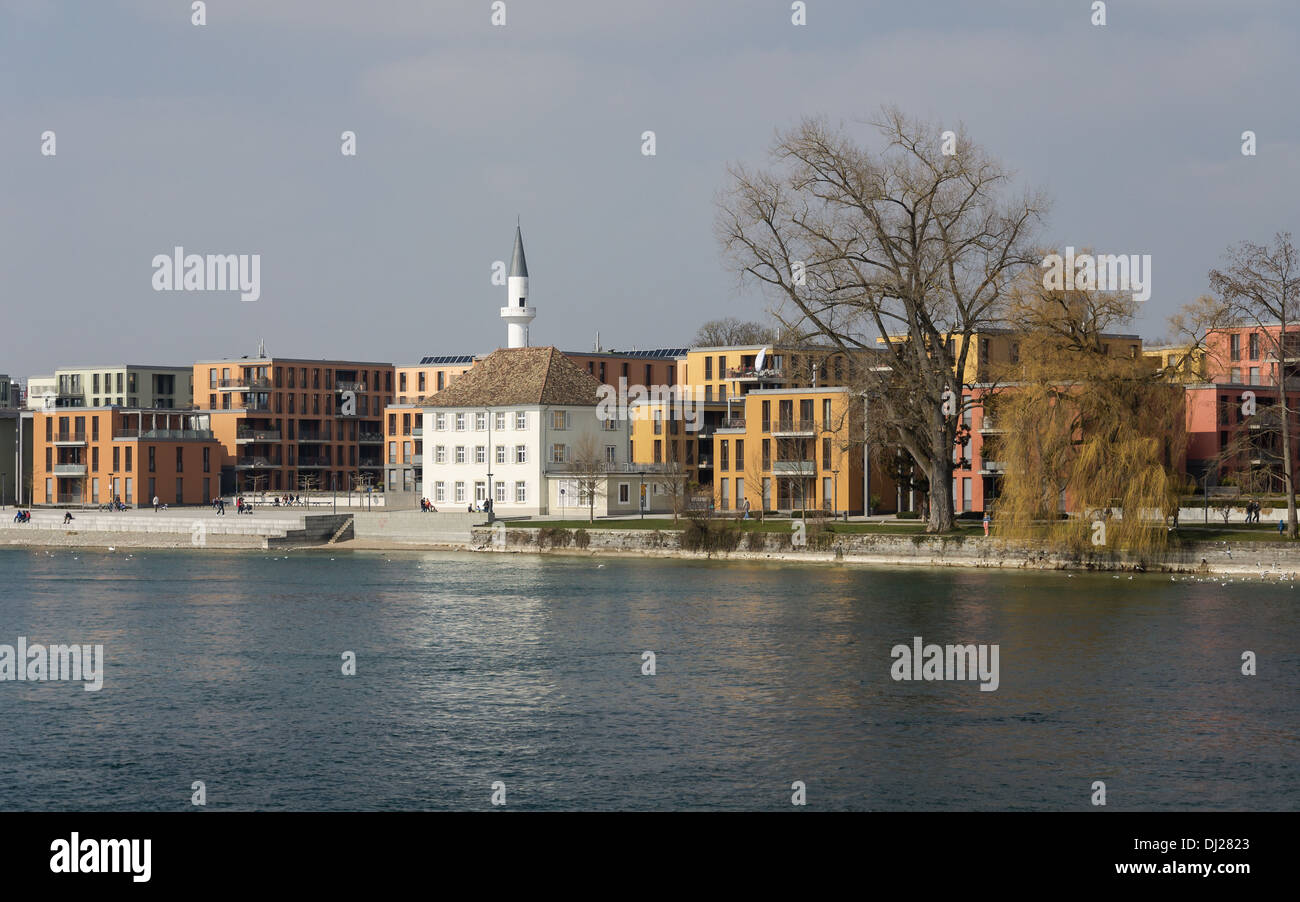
x: 511, y: 376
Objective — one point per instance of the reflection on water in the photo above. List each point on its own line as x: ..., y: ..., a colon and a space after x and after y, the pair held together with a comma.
x: 475, y: 668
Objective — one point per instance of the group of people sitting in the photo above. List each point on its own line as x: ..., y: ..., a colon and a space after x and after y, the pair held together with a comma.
x: 23, y: 517
x: 427, y: 506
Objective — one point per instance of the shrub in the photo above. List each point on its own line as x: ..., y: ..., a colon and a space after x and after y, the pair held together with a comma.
x: 908, y: 515
x: 554, y: 536
x: 581, y: 538
x: 702, y: 534
x: 755, y: 540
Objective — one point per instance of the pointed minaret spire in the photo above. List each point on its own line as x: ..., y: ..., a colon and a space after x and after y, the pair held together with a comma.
x: 518, y: 265
x: 517, y: 313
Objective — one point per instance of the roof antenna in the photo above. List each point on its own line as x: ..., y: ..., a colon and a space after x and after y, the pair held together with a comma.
x: 261, y: 347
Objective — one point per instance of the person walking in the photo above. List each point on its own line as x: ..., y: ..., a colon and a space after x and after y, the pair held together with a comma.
x: 987, y: 521
x: 155, y: 504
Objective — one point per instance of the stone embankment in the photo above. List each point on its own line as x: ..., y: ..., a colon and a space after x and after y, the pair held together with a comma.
x: 1274, y: 558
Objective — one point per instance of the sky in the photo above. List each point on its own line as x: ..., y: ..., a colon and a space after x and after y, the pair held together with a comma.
x: 226, y: 139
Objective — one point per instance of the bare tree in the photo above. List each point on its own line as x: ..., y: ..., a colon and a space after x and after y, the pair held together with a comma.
x: 589, y: 472
x: 307, y: 482
x: 731, y: 331
x: 911, y: 243
x: 678, y: 486
x: 1260, y: 285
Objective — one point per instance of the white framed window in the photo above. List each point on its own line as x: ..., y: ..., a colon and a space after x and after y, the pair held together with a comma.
x: 499, y: 422
x: 521, y: 454
x: 440, y: 491
x: 559, y: 453
x: 521, y: 492
x: 521, y: 419
x: 440, y: 421
x: 460, y: 492
x: 501, y: 493
x: 460, y: 454
x: 610, y: 424
x: 559, y: 420
x: 480, y: 421
x: 480, y: 491
x: 440, y: 454
x: 480, y: 454
x: 611, y: 454
x: 460, y: 422
x: 624, y: 493
x: 501, y: 454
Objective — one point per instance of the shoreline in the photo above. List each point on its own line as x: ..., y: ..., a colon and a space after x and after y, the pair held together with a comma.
x: 1270, y: 561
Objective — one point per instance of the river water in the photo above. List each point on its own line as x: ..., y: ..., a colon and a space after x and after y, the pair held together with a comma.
x: 226, y: 668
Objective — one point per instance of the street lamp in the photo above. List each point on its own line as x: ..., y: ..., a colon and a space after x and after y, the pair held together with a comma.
x: 641, y: 498
x: 835, y: 494
x: 491, y: 508
x: 3, y: 478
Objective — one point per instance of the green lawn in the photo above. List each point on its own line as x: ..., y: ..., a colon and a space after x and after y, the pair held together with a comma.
x: 782, y: 525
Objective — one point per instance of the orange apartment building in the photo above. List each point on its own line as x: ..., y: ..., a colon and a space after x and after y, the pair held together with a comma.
x: 286, y: 425
x: 91, y: 455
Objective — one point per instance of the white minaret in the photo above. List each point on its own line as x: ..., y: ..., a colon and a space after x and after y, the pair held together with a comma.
x: 517, y: 313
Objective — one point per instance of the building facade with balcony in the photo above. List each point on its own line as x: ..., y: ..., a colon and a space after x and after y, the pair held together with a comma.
x: 85, y: 456
x: 116, y: 385
x: 294, y: 425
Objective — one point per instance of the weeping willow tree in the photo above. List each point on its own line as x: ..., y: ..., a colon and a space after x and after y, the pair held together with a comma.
x: 1088, y: 425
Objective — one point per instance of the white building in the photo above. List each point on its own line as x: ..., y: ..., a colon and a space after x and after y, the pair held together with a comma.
x: 521, y: 428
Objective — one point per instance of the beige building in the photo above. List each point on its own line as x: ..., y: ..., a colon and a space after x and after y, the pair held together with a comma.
x: 115, y: 385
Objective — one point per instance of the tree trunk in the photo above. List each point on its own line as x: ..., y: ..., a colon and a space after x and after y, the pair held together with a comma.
x: 1288, y: 467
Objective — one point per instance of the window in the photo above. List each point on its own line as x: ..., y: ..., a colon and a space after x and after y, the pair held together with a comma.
x: 500, y: 495
x: 828, y: 496
x: 501, y: 454
x: 207, y: 463
x: 611, y: 454
x: 440, y: 491
x: 1254, y: 345
x: 826, y: 413
x: 180, y: 460
x: 1234, y: 347
x: 767, y: 454
x: 460, y: 454
x: 401, y: 381
x: 117, y: 458
x: 708, y: 367
x: 441, y: 383
x: 94, y: 459
x: 460, y: 422
x: 560, y: 420
x: 480, y: 491
x: 392, y: 452
x: 521, y: 420
x: 521, y: 492
x: 624, y: 493
x: 521, y: 454
x: 559, y: 453
x: 740, y: 454
x: 480, y: 454
x: 499, y: 421
x: 1254, y: 375
x: 406, y: 452
x: 460, y: 492
x: 659, y: 451
x: 826, y: 453
x: 724, y: 456
x: 480, y: 421
x: 439, y: 421
x: 725, y: 501
x: 1234, y: 375
x: 153, y: 462
x: 128, y: 461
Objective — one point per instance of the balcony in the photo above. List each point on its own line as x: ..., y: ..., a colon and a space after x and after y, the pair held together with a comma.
x: 70, y: 469
x: 313, y: 463
x: 166, y: 435
x: 417, y: 431
x: 245, y: 436
x: 989, y: 426
x: 313, y: 438
x: 993, y: 468
x: 255, y: 463
x: 614, y: 469
x: 243, y: 384
x: 371, y: 438
x: 794, y: 427
x: 69, y: 438
x: 706, y: 463
x: 349, y: 386
x: 794, y: 468
x: 749, y: 374
x: 732, y: 423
